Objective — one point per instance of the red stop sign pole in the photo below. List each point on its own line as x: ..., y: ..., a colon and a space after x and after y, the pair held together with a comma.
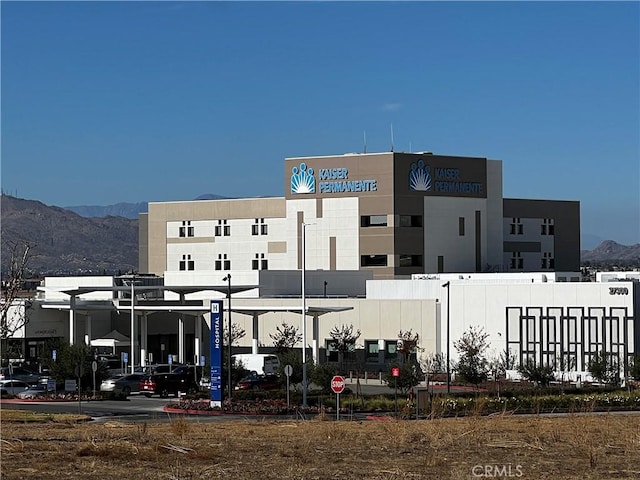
x: 337, y: 386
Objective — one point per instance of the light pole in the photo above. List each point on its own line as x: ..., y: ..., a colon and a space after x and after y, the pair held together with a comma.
x: 447, y: 286
x: 304, y: 319
x: 228, y: 280
x: 133, y: 325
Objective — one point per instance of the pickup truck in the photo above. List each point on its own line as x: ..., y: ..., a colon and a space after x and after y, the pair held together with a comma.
x: 164, y: 384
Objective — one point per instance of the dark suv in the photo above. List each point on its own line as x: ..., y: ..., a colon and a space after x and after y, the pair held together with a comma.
x: 164, y: 384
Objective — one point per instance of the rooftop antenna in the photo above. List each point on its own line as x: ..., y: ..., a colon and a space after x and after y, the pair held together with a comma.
x: 392, y: 137
x: 365, y: 141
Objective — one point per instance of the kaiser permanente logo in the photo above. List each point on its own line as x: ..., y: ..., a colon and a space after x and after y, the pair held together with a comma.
x: 447, y: 180
x: 419, y: 177
x: 302, y: 179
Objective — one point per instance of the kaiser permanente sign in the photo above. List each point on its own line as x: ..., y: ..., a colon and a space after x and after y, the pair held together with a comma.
x: 388, y: 173
x: 336, y: 180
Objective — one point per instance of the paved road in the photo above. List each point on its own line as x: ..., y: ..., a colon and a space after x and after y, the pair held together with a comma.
x: 136, y: 406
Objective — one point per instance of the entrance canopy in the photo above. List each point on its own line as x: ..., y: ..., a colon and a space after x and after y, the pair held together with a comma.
x: 111, y: 340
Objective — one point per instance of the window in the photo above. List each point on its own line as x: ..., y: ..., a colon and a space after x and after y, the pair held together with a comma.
x: 259, y: 262
x: 222, y: 262
x: 373, y: 221
x: 410, y: 261
x: 371, y: 348
x: 410, y: 221
x: 516, y: 227
x: 547, y: 261
x: 392, y: 349
x: 187, y: 263
x: 222, y: 229
x: 186, y: 230
x: 373, y: 260
x: 461, y: 226
x: 259, y: 227
x: 547, y: 227
x: 516, y: 262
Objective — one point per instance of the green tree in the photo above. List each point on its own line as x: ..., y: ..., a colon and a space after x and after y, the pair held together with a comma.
x: 344, y: 340
x: 71, y: 360
x: 285, y: 338
x: 294, y: 358
x: 322, y: 375
x: 605, y: 367
x: 540, y: 374
x: 410, y: 376
x: 472, y: 365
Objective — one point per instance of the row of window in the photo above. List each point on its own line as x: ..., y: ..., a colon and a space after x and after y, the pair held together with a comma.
x: 381, y: 221
x: 224, y: 264
x: 547, y: 227
x: 381, y: 261
x: 547, y: 262
x: 223, y: 229
x: 371, y: 348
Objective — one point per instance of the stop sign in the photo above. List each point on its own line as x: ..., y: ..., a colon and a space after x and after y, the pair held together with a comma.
x: 337, y: 384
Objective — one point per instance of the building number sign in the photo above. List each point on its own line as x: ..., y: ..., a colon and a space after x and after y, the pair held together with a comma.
x: 618, y: 291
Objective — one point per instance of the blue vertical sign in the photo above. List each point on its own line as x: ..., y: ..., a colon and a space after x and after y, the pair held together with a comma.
x: 216, y: 353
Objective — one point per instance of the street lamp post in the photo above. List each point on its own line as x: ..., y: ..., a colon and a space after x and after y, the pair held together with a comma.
x: 133, y: 325
x: 228, y: 280
x: 447, y: 286
x: 304, y: 319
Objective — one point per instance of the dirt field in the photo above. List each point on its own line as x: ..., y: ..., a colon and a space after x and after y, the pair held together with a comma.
x: 574, y: 447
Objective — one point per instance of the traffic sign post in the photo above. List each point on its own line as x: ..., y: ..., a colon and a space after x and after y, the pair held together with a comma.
x: 288, y: 371
x: 337, y: 386
x: 94, y: 369
x: 395, y: 372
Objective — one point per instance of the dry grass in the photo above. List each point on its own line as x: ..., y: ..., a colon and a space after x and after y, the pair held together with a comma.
x: 573, y: 447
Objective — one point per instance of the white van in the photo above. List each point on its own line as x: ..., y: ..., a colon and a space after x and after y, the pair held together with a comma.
x: 261, y: 363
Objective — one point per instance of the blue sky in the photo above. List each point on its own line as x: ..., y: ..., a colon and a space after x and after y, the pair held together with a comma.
x: 107, y: 102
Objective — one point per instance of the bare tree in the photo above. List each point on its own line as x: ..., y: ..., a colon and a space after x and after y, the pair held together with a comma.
x: 285, y: 338
x: 499, y: 364
x: 344, y: 340
x: 433, y: 364
x: 407, y: 344
x: 13, y: 316
x: 237, y: 332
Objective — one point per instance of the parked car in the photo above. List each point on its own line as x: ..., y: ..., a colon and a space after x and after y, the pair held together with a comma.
x: 12, y: 387
x: 164, y: 384
x: 259, y: 382
x: 33, y: 391
x: 19, y: 373
x: 124, y: 384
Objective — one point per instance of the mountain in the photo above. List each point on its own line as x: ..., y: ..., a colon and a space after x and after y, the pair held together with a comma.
x: 126, y: 210
x: 612, y: 252
x: 66, y: 243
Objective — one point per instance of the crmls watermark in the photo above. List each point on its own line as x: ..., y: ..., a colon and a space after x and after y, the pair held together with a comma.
x: 507, y: 470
